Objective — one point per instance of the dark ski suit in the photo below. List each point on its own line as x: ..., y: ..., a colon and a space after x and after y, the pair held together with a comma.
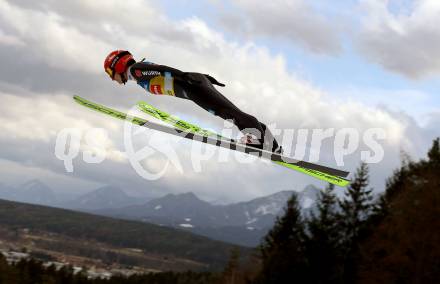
x: 197, y: 87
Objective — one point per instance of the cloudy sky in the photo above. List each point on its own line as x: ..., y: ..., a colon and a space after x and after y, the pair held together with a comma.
x: 294, y: 64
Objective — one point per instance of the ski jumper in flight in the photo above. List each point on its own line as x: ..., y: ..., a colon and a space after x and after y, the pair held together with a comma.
x: 197, y: 87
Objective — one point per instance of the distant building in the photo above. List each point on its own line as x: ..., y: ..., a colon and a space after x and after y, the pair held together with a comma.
x: 13, y: 257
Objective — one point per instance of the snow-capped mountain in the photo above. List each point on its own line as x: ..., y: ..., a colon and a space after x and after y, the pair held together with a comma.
x: 172, y: 209
x: 243, y: 223
x: 308, y: 196
x: 258, y: 213
x: 107, y: 197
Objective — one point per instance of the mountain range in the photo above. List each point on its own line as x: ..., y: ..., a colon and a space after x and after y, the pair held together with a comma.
x: 37, y: 192
x: 107, y: 197
x: 33, y: 191
x: 243, y: 223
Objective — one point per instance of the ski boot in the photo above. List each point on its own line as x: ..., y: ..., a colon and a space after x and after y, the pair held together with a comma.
x: 278, y: 150
x: 251, y: 140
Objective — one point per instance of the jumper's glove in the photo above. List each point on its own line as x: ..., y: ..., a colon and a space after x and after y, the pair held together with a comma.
x: 214, y: 81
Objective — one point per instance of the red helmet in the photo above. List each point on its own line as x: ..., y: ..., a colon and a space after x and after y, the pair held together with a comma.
x: 117, y: 62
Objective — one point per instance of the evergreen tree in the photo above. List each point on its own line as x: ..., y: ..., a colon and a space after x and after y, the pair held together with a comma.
x: 408, y: 173
x: 325, y: 220
x: 394, y: 186
x: 231, y: 271
x: 434, y: 153
x: 323, y: 243
x: 7, y: 273
x: 356, y: 207
x: 357, y: 204
x: 403, y: 247
x: 283, y: 248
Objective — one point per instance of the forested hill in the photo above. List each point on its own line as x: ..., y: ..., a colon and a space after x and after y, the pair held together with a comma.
x: 362, y: 238
x: 403, y: 243
x: 151, y: 239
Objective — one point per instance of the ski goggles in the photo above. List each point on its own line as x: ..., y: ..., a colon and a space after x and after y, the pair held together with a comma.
x: 110, y: 72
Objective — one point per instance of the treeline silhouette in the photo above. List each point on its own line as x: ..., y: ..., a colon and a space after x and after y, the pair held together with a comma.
x: 358, y: 238
x: 361, y: 239
x: 33, y: 272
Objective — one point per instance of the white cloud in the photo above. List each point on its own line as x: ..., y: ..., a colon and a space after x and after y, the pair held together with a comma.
x: 9, y: 40
x: 41, y: 118
x: 405, y: 42
x: 76, y: 35
x: 53, y: 41
x: 410, y: 100
x: 58, y: 182
x: 257, y: 81
x: 294, y: 20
